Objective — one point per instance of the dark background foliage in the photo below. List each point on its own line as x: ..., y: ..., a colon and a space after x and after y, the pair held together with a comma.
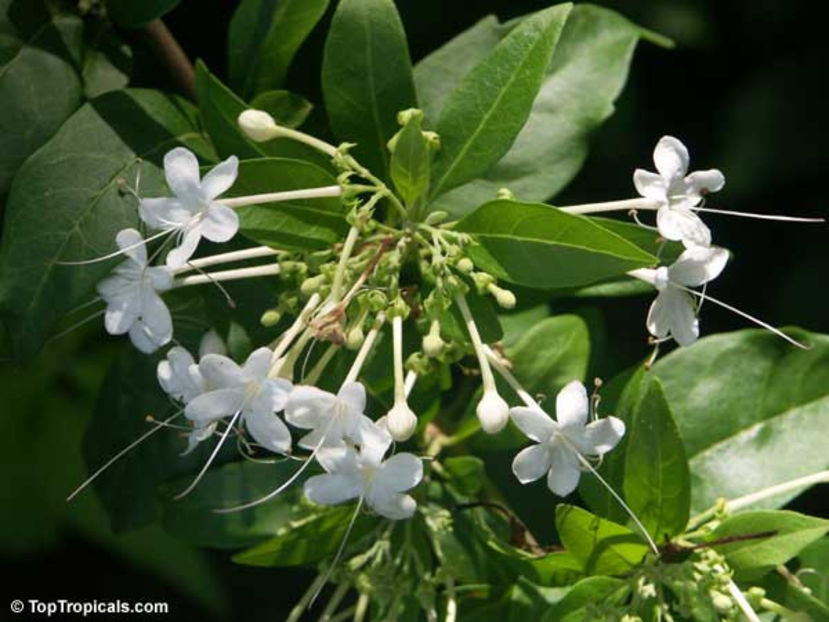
x: 744, y: 89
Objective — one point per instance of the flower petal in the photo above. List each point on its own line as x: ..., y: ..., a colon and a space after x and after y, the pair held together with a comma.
x: 603, y: 435
x: 700, y: 183
x: 277, y: 391
x: 212, y: 343
x: 679, y: 224
x: 258, y: 363
x: 181, y: 169
x: 340, y: 459
x: 354, y: 396
x: 395, y: 506
x: 374, y: 441
x: 674, y: 313
x: 332, y: 488
x: 531, y: 463
x: 214, y: 405
x: 145, y: 339
x: 121, y: 313
x: 309, y: 407
x: 650, y: 185
x: 163, y: 213
x: 671, y: 158
x: 131, y: 240
x: 533, y: 422
x: 399, y: 473
x: 182, y: 253
x: 220, y: 371
x: 220, y: 223
x: 268, y: 430
x: 220, y: 178
x: 572, y: 405
x: 564, y: 473
x: 159, y: 278
x: 698, y: 265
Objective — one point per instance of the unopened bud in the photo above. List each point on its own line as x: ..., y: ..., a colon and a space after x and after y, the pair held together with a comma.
x: 312, y: 285
x: 258, y: 125
x: 432, y: 343
x: 505, y: 194
x: 482, y: 281
x: 270, y: 317
x: 375, y: 300
x: 419, y: 364
x: 465, y: 265
x: 504, y: 297
x: 722, y: 602
x: 401, y: 421
x: 405, y: 116
x: 492, y: 411
x: 355, y: 338
x: 399, y: 308
x: 436, y: 218
x: 432, y: 140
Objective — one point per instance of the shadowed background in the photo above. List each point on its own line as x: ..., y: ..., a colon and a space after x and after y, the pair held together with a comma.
x: 744, y: 89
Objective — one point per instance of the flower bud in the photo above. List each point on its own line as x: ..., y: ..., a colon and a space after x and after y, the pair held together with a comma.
x: 404, y: 116
x: 401, y: 421
x: 258, y: 125
x: 270, y: 317
x: 312, y: 285
x: 505, y: 193
x: 722, y: 602
x: 432, y: 140
x: 504, y: 297
x: 435, y: 218
x: 482, y: 280
x: 465, y: 265
x: 355, y: 338
x: 375, y: 300
x: 432, y: 343
x: 493, y: 412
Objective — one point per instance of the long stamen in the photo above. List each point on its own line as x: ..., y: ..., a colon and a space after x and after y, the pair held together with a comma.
x: 745, y: 315
x: 77, y: 324
x: 115, y: 253
x: 123, y: 452
x: 757, y: 216
x: 340, y: 551
x: 212, y: 260
x: 290, y: 195
x: 228, y: 275
x: 210, y: 460
x: 529, y: 401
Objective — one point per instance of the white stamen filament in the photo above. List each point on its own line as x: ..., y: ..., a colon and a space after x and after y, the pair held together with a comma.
x: 210, y: 460
x: 228, y: 275
x: 530, y: 402
x: 487, y: 379
x: 289, y: 335
x: 158, y: 425
x: 362, y: 353
x: 114, y: 254
x: 288, y: 195
x: 340, y: 550
x: 212, y: 260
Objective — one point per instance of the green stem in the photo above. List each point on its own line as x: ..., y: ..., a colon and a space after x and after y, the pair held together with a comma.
x: 302, y: 603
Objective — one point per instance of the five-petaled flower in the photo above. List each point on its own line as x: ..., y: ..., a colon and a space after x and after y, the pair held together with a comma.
x: 561, y: 442
x: 332, y: 418
x: 194, y: 212
x: 677, y: 192
x: 363, y: 474
x: 674, y: 311
x: 131, y: 295
x: 246, y: 392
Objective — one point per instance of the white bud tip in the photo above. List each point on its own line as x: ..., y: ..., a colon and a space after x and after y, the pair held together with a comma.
x: 258, y: 125
x: 493, y: 412
x: 433, y: 345
x: 401, y: 422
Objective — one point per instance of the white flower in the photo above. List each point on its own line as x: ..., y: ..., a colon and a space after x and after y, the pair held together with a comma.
x: 131, y: 296
x: 677, y: 192
x: 353, y: 474
x: 246, y: 390
x: 193, y: 212
x: 559, y: 443
x: 674, y: 312
x: 333, y: 418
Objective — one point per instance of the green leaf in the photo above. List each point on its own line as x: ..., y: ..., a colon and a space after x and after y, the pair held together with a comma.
x: 539, y: 246
x: 657, y: 482
x: 588, y: 591
x: 751, y: 558
x: 603, y: 547
x: 588, y: 70
x: 299, y: 224
x: 367, y: 78
x: 487, y: 110
x: 220, y: 109
x: 132, y: 14
x: 263, y: 38
x: 288, y: 109
x: 794, y: 597
x: 39, y: 84
x: 308, y: 540
x: 411, y: 162
x: 67, y: 203
x: 815, y: 559
x: 192, y: 518
x: 466, y: 473
x: 751, y: 411
x: 449, y: 549
x: 482, y: 309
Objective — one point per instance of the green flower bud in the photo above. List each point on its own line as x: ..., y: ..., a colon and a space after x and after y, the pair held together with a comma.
x: 436, y: 217
x: 355, y: 337
x: 406, y: 116
x: 432, y: 140
x: 399, y: 308
x: 374, y: 300
x: 506, y: 194
x: 312, y: 285
x: 722, y: 602
x: 270, y: 317
x: 504, y: 297
x: 465, y: 265
x: 419, y: 364
x: 482, y: 281
x: 432, y: 343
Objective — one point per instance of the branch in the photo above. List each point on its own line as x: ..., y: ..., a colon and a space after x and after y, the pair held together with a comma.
x: 171, y: 55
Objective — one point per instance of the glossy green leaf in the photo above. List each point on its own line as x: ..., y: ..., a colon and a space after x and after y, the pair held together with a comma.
x: 603, y: 547
x: 784, y: 534
x: 589, y: 67
x: 487, y: 110
x: 39, y: 84
x: 539, y: 246
x: 591, y: 590
x: 367, y: 78
x: 466, y: 473
x: 751, y: 411
x: 192, y: 518
x: 288, y: 109
x: 308, y: 540
x: 814, y: 570
x: 657, y: 482
x: 483, y: 311
x: 132, y: 14
x: 298, y: 224
x: 448, y: 547
x: 67, y: 203
x: 411, y: 162
x: 263, y: 38
x: 220, y: 109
